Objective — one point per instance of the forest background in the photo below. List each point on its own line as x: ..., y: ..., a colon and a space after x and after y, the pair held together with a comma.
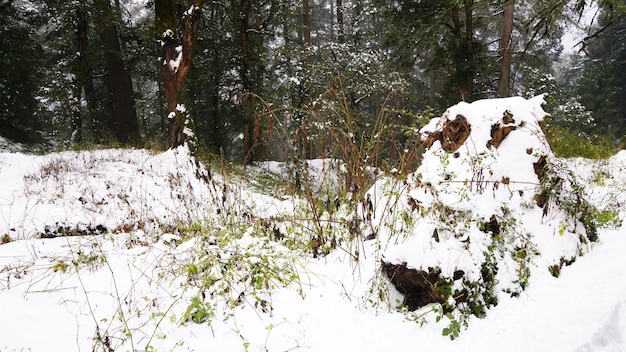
x: 291, y: 79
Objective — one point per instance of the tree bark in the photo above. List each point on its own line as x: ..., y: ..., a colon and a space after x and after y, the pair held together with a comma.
x: 120, y: 83
x: 246, y: 82
x: 467, y: 84
x: 464, y: 56
x: 84, y: 83
x: 83, y: 77
x: 301, y: 140
x: 432, y: 76
x: 505, y: 50
x: 306, y: 23
x: 252, y: 32
x: 175, y: 60
x: 340, y: 21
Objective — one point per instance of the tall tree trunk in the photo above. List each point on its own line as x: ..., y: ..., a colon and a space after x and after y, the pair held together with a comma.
x: 246, y: 82
x: 340, y: 21
x: 84, y: 83
x: 302, y: 140
x: 175, y: 60
x: 251, y: 34
x: 215, y: 118
x: 432, y: 76
x: 120, y: 83
x: 83, y: 76
x: 464, y: 56
x: 467, y: 84
x: 306, y: 23
x: 505, y: 50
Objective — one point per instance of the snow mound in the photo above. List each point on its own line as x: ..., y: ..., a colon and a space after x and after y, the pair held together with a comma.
x: 489, y: 207
x: 78, y: 193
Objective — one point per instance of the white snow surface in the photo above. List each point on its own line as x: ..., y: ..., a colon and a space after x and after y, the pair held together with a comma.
x: 132, y: 284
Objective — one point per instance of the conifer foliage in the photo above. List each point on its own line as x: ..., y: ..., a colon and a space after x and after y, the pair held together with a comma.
x: 254, y: 79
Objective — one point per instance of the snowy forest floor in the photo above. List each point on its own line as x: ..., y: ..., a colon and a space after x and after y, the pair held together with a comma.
x: 115, y: 250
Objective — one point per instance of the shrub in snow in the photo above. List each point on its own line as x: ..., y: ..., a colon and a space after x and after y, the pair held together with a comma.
x: 488, y: 207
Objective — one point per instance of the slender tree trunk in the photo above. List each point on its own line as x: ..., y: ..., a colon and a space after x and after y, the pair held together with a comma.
x: 217, y: 140
x: 246, y: 82
x: 83, y: 77
x: 464, y: 55
x: 84, y: 82
x: 120, y: 83
x: 302, y: 141
x: 432, y: 76
x: 306, y: 31
x: 505, y: 50
x: 467, y: 84
x: 306, y: 23
x: 175, y: 60
x: 340, y: 21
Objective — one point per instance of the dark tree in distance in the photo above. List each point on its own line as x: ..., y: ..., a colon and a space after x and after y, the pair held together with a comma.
x: 602, y: 85
x: 120, y: 83
x: 255, y: 22
x: 211, y: 103
x: 21, y: 56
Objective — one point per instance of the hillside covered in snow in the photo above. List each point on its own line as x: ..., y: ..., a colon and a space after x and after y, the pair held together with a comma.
x: 492, y: 244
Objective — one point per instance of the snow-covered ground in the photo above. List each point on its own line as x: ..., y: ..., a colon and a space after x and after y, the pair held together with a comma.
x: 130, y: 250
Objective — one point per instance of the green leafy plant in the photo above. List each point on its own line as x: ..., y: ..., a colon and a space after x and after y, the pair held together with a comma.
x: 198, y: 311
x: 569, y: 144
x: 238, y: 264
x: 560, y: 187
x: 454, y: 329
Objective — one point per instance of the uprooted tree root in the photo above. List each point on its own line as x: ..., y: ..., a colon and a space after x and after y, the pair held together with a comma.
x: 498, y: 134
x: 541, y: 171
x: 419, y: 287
x: 500, y: 130
x: 454, y: 132
x: 452, y: 135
